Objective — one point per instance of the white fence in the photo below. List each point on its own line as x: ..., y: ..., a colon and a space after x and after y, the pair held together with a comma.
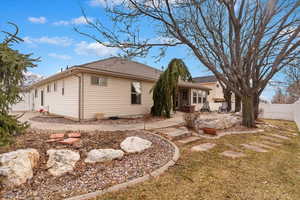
x: 282, y: 111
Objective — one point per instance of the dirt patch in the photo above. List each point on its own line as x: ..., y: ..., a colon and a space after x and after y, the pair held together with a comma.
x: 87, y: 177
x: 62, y: 120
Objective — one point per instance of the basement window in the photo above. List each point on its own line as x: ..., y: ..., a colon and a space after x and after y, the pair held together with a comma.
x: 136, y: 93
x: 99, y: 80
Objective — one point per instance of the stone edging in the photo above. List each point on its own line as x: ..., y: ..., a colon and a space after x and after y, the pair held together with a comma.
x: 120, y: 186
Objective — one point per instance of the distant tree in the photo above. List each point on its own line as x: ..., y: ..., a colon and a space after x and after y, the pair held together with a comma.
x: 292, y: 73
x: 165, y: 90
x: 244, y: 43
x: 279, y: 97
x: 13, y: 64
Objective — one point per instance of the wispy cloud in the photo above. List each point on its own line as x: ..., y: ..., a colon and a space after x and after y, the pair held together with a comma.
x: 59, y: 41
x: 37, y: 20
x: 59, y: 56
x: 95, y: 3
x: 94, y: 48
x: 75, y: 21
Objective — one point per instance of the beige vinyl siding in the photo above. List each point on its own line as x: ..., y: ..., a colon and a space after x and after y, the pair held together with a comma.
x: 65, y: 105
x: 115, y: 98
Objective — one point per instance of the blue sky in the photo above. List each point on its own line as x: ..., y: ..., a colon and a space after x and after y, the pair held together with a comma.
x: 47, y: 29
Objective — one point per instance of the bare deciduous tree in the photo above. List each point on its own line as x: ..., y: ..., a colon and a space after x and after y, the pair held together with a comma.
x: 244, y: 43
x: 292, y: 73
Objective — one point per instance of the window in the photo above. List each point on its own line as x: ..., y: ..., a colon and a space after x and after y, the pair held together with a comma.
x: 136, y: 93
x: 199, y: 97
x: 35, y: 93
x: 55, y: 87
x: 63, y: 88
x: 194, y: 97
x: 100, y: 81
x: 48, y: 88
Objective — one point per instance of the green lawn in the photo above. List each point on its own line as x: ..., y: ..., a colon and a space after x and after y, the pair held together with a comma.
x: 274, y: 175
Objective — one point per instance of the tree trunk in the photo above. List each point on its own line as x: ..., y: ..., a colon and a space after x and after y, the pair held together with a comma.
x: 248, y: 111
x: 237, y: 103
x: 227, y: 96
x: 256, y: 106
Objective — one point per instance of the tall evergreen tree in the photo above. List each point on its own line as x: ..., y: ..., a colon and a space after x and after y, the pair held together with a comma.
x: 13, y: 64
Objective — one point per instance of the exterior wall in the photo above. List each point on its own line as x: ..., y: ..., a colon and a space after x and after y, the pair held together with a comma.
x: 24, y: 104
x: 114, y: 99
x: 216, y: 92
x: 55, y: 102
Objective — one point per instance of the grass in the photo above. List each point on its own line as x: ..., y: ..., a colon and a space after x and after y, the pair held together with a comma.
x: 207, y: 175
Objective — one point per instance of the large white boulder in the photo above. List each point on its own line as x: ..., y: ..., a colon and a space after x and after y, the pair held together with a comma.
x: 103, y: 155
x: 135, y: 144
x: 61, y: 161
x: 221, y: 122
x: 16, y: 166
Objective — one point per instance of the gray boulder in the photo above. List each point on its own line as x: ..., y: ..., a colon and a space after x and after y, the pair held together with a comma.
x: 103, y: 155
x: 16, y: 166
x: 135, y: 144
x: 61, y: 161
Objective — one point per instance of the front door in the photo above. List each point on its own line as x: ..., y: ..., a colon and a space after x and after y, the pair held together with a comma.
x: 42, y: 97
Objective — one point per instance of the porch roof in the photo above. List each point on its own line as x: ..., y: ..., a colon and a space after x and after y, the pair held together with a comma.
x: 184, y: 84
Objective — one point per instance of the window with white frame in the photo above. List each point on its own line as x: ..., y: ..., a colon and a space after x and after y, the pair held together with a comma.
x: 194, y: 97
x: 200, y: 93
x: 35, y: 93
x: 99, y: 80
x: 136, y: 93
x: 205, y: 97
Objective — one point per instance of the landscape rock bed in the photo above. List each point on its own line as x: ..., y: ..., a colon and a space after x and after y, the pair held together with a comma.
x: 86, y: 177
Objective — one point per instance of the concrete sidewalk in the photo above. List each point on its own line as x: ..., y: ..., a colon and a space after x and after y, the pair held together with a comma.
x: 176, y: 120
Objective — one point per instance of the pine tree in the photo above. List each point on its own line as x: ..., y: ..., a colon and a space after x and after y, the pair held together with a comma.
x: 13, y: 64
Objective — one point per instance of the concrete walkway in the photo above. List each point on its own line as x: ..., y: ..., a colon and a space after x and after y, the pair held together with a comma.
x: 176, y: 120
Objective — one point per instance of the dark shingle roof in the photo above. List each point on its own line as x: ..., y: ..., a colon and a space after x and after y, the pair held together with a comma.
x: 124, y: 66
x: 205, y: 79
x: 120, y: 67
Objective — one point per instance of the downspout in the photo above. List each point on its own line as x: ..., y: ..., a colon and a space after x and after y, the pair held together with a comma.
x: 79, y: 96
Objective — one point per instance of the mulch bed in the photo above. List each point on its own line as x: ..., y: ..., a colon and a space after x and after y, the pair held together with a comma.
x: 62, y: 120
x: 86, y: 177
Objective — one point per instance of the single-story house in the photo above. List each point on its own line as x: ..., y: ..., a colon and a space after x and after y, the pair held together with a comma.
x: 109, y: 87
x: 216, y: 96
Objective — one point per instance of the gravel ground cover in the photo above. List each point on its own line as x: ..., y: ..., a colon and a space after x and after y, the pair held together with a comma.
x: 86, y: 177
